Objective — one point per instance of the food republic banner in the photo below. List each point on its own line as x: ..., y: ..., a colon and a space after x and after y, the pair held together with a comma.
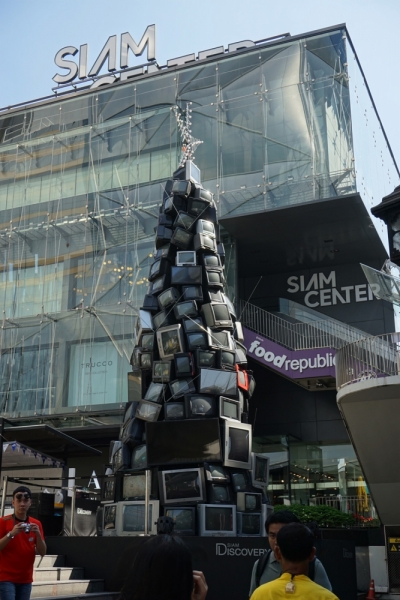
x: 295, y: 364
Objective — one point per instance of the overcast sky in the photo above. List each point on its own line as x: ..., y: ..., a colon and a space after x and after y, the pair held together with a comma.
x: 32, y: 31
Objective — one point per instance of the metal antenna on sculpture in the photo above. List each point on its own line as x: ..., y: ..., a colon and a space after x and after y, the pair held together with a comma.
x: 189, y: 143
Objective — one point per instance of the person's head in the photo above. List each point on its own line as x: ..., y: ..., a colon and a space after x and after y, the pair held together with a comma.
x: 295, y: 546
x: 21, y: 501
x: 162, y: 569
x: 275, y: 522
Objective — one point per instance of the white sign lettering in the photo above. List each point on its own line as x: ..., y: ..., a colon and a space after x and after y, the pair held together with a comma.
x: 236, y: 550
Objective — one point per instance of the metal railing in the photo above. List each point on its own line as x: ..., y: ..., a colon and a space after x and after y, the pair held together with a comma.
x: 297, y: 336
x: 360, y: 507
x: 368, y: 358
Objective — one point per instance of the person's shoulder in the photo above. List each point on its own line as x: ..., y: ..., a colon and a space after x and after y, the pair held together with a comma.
x: 6, y: 518
x: 323, y: 593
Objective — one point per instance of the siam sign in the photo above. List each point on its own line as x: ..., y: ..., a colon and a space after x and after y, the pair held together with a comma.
x: 119, y: 70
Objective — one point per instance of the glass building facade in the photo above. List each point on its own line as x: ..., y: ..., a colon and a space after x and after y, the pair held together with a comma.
x: 81, y: 181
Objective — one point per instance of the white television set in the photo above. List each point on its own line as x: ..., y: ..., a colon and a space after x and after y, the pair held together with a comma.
x: 131, y: 516
x: 237, y: 444
x: 259, y: 470
x: 182, y: 486
x: 217, y: 520
x: 170, y: 340
x: 186, y: 257
x: 229, y: 408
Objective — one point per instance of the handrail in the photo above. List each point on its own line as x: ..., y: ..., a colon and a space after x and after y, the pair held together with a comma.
x: 297, y: 336
x: 369, y: 358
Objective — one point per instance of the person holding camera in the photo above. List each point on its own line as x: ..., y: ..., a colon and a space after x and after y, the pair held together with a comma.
x: 20, y: 538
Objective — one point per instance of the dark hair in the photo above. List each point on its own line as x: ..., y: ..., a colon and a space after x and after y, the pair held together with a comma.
x: 295, y: 542
x: 23, y: 489
x: 162, y: 569
x: 281, y: 516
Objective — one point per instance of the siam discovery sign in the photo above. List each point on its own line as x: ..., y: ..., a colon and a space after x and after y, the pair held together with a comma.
x: 294, y: 364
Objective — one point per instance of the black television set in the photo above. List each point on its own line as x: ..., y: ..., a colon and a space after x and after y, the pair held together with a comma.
x: 164, y: 318
x: 180, y: 387
x: 109, y: 520
x: 184, y: 220
x: 237, y: 444
x: 184, y: 518
x: 114, y: 446
x: 187, y: 275
x: 259, y: 470
x: 200, y: 193
x: 216, y: 473
x: 148, y: 342
x: 159, y: 267
x: 226, y: 359
x: 183, y: 442
x: 162, y: 371
x: 144, y: 324
x: 139, y: 458
x: 170, y: 340
x: 174, y: 204
x: 159, y: 284
x: 191, y: 325
x: 174, y: 410
x: 148, y: 411
x: 185, y: 309
x: 181, y: 238
x: 197, y: 339
x: 166, y: 251
x: 206, y: 359
x: 204, y: 243
x: 186, y: 258
x: 145, y: 360
x: 184, y: 365
x: 248, y: 501
x: 218, y: 382
x: 156, y: 392
x: 192, y: 292
x: 150, y: 303
x: 212, y: 261
x: 182, y: 486
x: 205, y: 227
x: 181, y: 188
x: 163, y: 235
x: 252, y: 384
x: 108, y: 489
x: 249, y: 524
x: 229, y: 408
x: 132, y: 431
x: 218, y: 493
x: 240, y: 480
x: 122, y: 458
x: 168, y: 297
x: 216, y: 315
x: 197, y: 206
x: 220, y: 339
x: 200, y: 406
x: 165, y: 219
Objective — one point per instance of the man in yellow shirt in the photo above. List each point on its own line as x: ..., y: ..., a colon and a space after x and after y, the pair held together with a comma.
x: 294, y: 550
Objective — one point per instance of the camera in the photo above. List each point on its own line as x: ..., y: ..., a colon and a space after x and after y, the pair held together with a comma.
x: 27, y: 527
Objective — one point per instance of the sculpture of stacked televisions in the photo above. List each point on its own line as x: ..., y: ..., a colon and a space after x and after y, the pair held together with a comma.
x: 186, y: 420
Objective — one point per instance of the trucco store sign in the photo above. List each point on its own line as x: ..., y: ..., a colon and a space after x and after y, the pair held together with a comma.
x: 295, y: 364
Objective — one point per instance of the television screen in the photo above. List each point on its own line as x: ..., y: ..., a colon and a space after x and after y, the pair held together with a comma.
x: 221, y: 313
x: 148, y: 341
x: 108, y: 492
x: 192, y: 172
x: 163, y: 319
x: 109, y: 517
x: 133, y: 522
x: 215, y: 279
x: 170, y: 340
x: 191, y: 325
x: 134, y: 487
x: 249, y: 524
x: 241, y: 356
x: 219, y: 494
x: 243, y: 382
x: 158, y: 284
x: 197, y: 340
x: 180, y: 387
x: 187, y: 258
x: 162, y: 371
x: 174, y: 410
x: 206, y: 359
x: 238, y: 441
x: 146, y: 360
x: 217, y: 473
x: 220, y: 339
x: 159, y: 267
x: 215, y: 296
x: 189, y: 441
x: 204, y: 242
x: 183, y: 485
x: 196, y: 206
x: 229, y: 408
x: 181, y: 238
x: 155, y: 392
x: 199, y: 406
x: 148, y: 411
x: 139, y: 457
x: 184, y: 519
x: 186, y: 275
x: 135, y: 386
x: 165, y: 251
x: 184, y: 366
x: 219, y: 518
x: 248, y: 502
x: 185, y: 309
x: 205, y: 227
x: 199, y: 192
x: 227, y: 359
x: 218, y: 382
x: 144, y: 324
x: 193, y: 292
x: 217, y: 315
x: 240, y: 480
x: 168, y: 297
x: 211, y: 260
x: 260, y: 470
x: 184, y: 220
x: 181, y: 188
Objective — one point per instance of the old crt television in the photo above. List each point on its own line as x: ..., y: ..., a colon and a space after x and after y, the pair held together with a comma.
x: 231, y: 308
x: 184, y: 365
x: 170, y: 340
x: 159, y: 267
x: 108, y: 489
x: 249, y: 524
x: 193, y: 173
x: 181, y: 238
x: 226, y: 359
x: 218, y: 382
x: 166, y: 251
x: 216, y: 520
x: 218, y: 493
x: 134, y: 486
x: 240, y: 480
x: 185, y: 309
x: 150, y: 303
x: 252, y: 384
x: 122, y: 458
x: 162, y: 371
x: 238, y: 332
x: 200, y: 192
x: 217, y: 315
x: 184, y: 220
x: 144, y: 324
x: 109, y: 520
x: 136, y: 386
x: 214, y: 296
x: 229, y: 408
x: 188, y: 275
x: 189, y: 441
x: 168, y: 297
x: 237, y: 444
x: 165, y: 219
x: 182, y: 486
x: 206, y: 227
x: 197, y: 206
x: 174, y: 204
x: 155, y: 392
x: 212, y: 261
x: 200, y: 406
x: 139, y: 458
x: 206, y: 359
x: 114, y: 446
x: 163, y: 235
x: 174, y: 411
x: 163, y: 319
x: 131, y: 517
x: 216, y: 473
x: 132, y: 432
x: 148, y: 342
x: 193, y: 292
x: 202, y: 242
x: 197, y: 339
x: 248, y: 501
x: 180, y: 387
x: 159, y: 284
x: 186, y: 258
x: 191, y: 325
x: 220, y: 339
x: 241, y: 354
x: 243, y: 380
x: 181, y: 188
x: 148, y: 410
x: 184, y: 518
x: 259, y: 470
